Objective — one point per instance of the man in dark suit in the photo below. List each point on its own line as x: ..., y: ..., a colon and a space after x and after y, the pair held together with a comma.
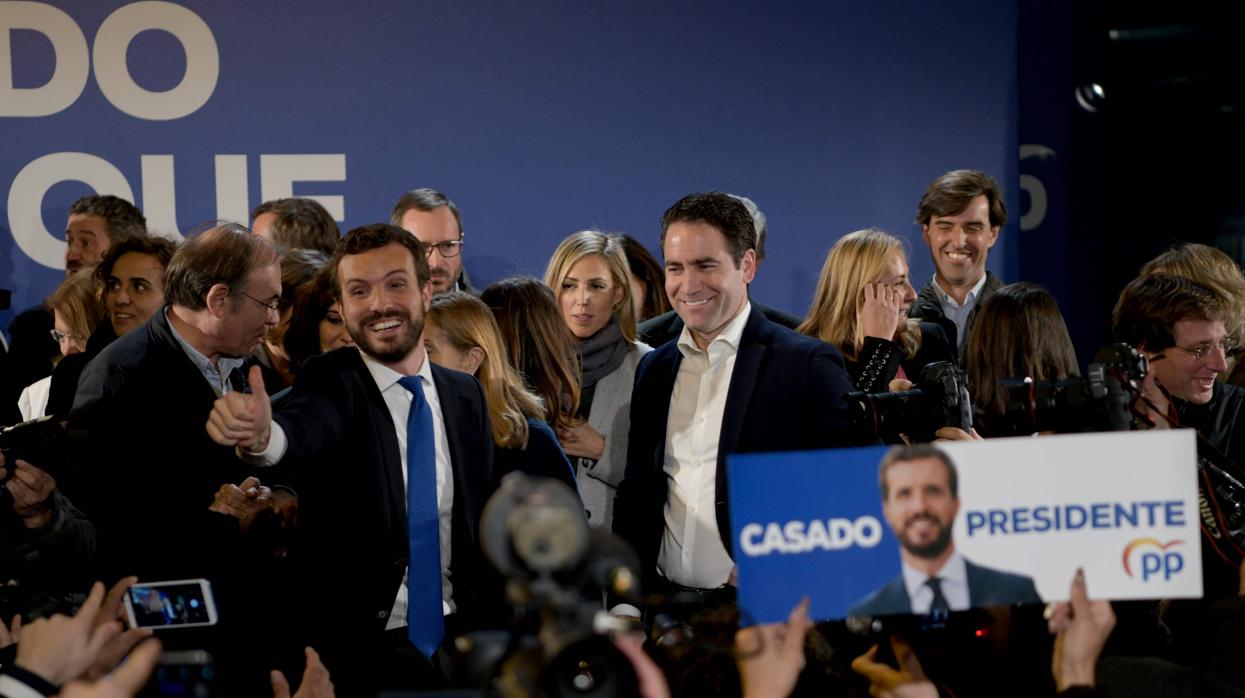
x: 349, y: 431
x: 656, y: 331
x: 734, y: 382
x: 920, y: 500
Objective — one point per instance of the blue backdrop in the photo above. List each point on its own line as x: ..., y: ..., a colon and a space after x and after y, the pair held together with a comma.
x: 538, y: 119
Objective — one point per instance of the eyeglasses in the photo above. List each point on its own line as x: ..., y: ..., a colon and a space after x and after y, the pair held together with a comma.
x: 449, y: 248
x: 59, y: 336
x: 274, y: 306
x: 1201, y: 351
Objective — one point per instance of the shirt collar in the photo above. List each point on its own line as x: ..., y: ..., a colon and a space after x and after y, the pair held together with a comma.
x: 222, y: 369
x: 730, y: 335
x: 946, y: 299
x: 954, y: 571
x: 386, y: 377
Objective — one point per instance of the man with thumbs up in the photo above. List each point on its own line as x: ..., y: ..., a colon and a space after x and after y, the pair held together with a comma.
x: 393, y: 462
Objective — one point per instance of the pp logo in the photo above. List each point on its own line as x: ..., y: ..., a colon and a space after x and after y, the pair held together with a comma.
x: 1155, y: 558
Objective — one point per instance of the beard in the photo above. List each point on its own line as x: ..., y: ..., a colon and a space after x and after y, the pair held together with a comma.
x: 392, y: 350
x: 934, y: 547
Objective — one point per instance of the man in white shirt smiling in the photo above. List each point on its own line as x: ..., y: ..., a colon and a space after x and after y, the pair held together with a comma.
x: 733, y: 382
x: 392, y: 459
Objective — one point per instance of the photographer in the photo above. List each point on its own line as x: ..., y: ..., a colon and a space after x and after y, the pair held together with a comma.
x: 1179, y: 325
x: 46, y: 545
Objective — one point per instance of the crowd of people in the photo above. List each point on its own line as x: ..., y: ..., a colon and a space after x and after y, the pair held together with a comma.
x: 314, y: 422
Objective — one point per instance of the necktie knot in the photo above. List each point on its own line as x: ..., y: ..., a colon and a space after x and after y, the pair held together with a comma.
x: 414, y: 385
x: 939, y: 604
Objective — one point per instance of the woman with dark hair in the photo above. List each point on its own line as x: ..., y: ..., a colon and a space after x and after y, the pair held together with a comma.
x: 130, y: 278
x: 861, y: 307
x: 589, y: 275
x: 461, y: 333
x: 1018, y: 333
x: 298, y: 268
x: 539, y: 344
x: 316, y: 323
x: 648, y: 281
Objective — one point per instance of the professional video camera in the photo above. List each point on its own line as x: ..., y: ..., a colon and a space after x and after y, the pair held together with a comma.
x: 940, y: 399
x: 558, y: 572
x: 1101, y: 401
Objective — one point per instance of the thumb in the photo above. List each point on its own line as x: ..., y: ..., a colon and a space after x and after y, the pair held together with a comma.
x: 256, y: 379
x: 280, y: 687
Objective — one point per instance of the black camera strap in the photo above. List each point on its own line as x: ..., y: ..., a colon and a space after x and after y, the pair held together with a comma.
x: 1221, y: 503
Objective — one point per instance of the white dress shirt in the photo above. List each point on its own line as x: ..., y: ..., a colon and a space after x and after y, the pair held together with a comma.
x: 954, y: 576
x: 398, y: 400
x: 691, y: 552
x: 954, y: 311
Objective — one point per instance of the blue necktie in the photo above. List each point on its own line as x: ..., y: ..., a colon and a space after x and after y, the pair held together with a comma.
x: 425, y: 624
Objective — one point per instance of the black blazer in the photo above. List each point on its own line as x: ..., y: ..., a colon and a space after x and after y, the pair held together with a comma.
x: 147, y: 471
x: 986, y: 588
x: 351, y: 544
x: 786, y: 394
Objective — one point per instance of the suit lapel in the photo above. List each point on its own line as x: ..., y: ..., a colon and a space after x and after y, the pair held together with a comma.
x: 748, y: 359
x: 386, y: 436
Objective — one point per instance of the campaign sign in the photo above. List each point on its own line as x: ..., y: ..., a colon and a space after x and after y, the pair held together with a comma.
x: 1012, y: 526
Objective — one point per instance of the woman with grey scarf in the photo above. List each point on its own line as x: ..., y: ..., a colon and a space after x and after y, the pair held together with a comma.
x: 592, y: 281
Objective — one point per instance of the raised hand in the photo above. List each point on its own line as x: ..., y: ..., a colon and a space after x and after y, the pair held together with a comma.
x: 879, y: 316
x: 239, y: 419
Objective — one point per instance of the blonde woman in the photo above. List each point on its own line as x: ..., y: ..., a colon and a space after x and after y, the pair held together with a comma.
x: 460, y: 333
x: 861, y: 307
x: 591, y: 278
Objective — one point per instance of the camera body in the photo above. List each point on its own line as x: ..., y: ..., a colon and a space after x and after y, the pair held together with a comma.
x: 558, y: 572
x: 940, y: 399
x: 1101, y: 401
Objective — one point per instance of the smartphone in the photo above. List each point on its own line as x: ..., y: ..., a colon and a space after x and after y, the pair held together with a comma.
x: 184, y: 603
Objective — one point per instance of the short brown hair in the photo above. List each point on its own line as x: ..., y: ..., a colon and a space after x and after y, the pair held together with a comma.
x: 424, y: 199
x: 951, y: 193
x: 722, y: 211
x: 907, y: 454
x: 1151, y: 305
x: 374, y: 237
x: 225, y: 254
x: 123, y: 218
x: 301, y: 223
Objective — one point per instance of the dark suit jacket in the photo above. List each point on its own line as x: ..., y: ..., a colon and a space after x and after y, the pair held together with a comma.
x: 656, y: 331
x: 148, y: 471
x: 928, y: 307
x: 786, y: 394
x: 986, y: 588
x: 352, y: 529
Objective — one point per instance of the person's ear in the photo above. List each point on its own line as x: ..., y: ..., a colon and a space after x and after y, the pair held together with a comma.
x: 217, y: 299
x: 472, y: 359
